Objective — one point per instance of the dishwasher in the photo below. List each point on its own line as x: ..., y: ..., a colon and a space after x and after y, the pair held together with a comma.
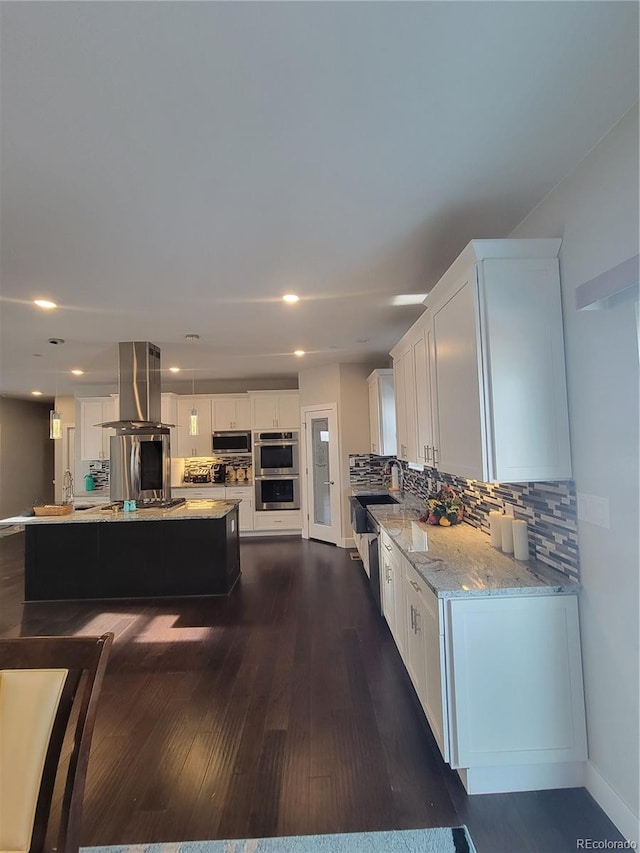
x: 365, y: 525
x: 373, y: 534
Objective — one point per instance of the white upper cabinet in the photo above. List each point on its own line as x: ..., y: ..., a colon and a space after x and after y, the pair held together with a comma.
x: 500, y: 411
x: 382, y: 413
x: 275, y: 410
x: 231, y: 412
x: 406, y: 393
x: 94, y: 440
x: 421, y: 346
x: 169, y: 415
x: 484, y: 395
x: 194, y: 445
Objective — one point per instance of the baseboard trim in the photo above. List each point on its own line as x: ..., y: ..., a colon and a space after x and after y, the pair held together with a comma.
x: 507, y: 778
x: 346, y: 543
x: 612, y: 804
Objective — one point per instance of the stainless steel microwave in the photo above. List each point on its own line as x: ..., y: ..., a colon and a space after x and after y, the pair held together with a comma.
x: 231, y: 443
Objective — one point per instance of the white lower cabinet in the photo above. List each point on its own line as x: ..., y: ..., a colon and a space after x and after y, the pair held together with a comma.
x: 391, y: 590
x: 516, y: 681
x: 290, y: 519
x: 245, y: 495
x: 425, y: 653
x: 220, y: 493
x: 499, y: 678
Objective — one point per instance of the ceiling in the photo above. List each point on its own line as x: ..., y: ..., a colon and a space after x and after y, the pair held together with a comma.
x: 173, y: 168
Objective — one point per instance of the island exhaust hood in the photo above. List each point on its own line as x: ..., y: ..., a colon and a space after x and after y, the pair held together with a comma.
x: 138, y: 387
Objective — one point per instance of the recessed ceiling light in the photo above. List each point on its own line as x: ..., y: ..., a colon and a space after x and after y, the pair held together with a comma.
x: 56, y: 341
x: 44, y: 303
x: 290, y: 297
x: 192, y: 337
x: 174, y: 370
x: 36, y: 393
x: 298, y: 352
x: 77, y: 372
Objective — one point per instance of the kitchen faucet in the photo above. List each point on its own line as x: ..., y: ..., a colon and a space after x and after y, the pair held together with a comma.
x: 67, y: 487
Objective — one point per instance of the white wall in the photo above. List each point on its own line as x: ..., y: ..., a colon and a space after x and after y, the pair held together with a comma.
x: 595, y: 211
x: 26, y: 455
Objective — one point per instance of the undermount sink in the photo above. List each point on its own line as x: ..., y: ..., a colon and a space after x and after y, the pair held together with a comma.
x: 359, y: 504
x: 366, y: 500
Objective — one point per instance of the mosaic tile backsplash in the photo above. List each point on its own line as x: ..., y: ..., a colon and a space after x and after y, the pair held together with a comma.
x: 548, y: 508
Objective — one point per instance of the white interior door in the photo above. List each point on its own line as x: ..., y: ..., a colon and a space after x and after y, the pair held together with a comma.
x: 322, y: 470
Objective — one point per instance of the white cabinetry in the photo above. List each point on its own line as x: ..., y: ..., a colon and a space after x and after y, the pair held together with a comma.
x: 412, y: 370
x: 290, y: 519
x: 169, y: 415
x: 404, y: 383
x: 94, y: 440
x: 422, y: 348
x: 194, y: 493
x: 194, y: 445
x: 391, y: 590
x: 425, y: 653
x: 244, y: 494
x: 499, y: 678
x: 275, y: 411
x: 231, y: 412
x: 382, y: 414
x: 500, y: 403
x: 220, y: 493
x: 521, y: 701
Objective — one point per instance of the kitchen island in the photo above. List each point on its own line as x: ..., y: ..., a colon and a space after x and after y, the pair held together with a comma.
x: 190, y: 549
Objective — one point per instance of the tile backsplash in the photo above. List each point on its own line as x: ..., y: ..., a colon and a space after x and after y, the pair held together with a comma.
x: 548, y: 508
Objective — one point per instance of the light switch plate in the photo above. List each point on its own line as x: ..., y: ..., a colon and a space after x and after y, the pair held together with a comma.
x: 594, y: 509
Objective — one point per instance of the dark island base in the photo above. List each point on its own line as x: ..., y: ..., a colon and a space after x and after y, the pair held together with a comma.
x: 145, y: 559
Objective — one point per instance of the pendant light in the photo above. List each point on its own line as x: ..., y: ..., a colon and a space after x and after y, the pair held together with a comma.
x: 193, y: 414
x: 55, y: 420
x: 55, y: 424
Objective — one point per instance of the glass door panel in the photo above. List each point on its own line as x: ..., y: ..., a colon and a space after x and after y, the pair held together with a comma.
x: 321, y: 471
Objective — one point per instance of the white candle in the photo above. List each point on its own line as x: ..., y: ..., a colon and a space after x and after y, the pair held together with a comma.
x: 520, y: 540
x: 495, y: 529
x: 506, y: 530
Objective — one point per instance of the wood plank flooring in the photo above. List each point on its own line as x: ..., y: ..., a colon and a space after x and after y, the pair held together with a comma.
x: 281, y: 710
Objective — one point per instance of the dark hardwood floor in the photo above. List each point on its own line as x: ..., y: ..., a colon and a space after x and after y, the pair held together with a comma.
x: 281, y: 710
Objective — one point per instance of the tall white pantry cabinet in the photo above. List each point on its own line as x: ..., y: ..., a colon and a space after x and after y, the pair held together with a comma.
x: 481, y: 388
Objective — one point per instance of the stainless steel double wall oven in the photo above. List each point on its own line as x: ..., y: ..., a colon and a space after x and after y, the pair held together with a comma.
x: 277, y: 470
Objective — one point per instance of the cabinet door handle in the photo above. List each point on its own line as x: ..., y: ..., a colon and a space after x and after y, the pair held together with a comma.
x: 427, y: 453
x: 435, y: 450
x: 328, y: 483
x: 373, y: 448
x: 416, y: 620
x: 388, y: 574
x: 413, y: 619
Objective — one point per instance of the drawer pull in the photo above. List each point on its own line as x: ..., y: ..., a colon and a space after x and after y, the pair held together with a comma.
x: 415, y: 586
x: 388, y: 547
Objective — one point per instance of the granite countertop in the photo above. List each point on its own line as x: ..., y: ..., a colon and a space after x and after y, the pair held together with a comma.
x: 459, y: 560
x: 196, y: 509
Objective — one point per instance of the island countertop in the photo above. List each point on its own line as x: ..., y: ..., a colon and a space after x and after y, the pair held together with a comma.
x: 191, y: 510
x: 459, y: 560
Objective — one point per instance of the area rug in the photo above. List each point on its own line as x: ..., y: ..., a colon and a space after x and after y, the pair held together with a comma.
x: 438, y: 840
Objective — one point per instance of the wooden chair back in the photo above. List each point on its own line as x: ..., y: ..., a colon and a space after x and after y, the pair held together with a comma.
x: 85, y: 659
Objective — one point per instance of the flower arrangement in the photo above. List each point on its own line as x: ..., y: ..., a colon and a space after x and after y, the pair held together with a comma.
x: 444, y: 508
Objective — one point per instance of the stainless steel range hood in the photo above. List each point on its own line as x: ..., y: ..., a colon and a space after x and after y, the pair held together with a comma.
x: 138, y: 387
